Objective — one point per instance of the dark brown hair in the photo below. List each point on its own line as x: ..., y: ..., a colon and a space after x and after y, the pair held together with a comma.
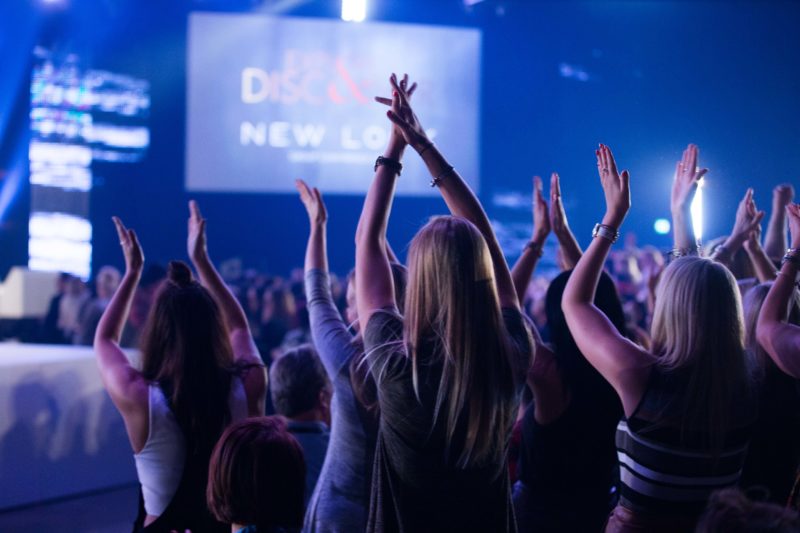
x: 186, y: 350
x: 257, y: 475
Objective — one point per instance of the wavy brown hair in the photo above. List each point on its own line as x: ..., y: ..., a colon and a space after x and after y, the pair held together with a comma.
x: 186, y: 350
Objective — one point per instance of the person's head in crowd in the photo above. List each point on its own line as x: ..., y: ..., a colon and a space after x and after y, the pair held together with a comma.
x: 76, y: 287
x: 579, y: 376
x: 400, y: 279
x: 257, y: 476
x: 740, y: 264
x: 106, y: 282
x: 62, y: 282
x: 360, y: 377
x: 300, y: 387
x: 185, y: 348
x: 279, y: 305
x: 731, y: 511
x: 698, y: 329
x: 453, y: 318
x: 252, y: 303
x: 626, y: 273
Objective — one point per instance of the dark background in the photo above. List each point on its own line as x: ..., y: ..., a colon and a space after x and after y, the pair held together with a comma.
x: 724, y: 75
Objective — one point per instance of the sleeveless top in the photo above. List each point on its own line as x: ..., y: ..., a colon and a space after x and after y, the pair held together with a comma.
x: 159, y: 465
x: 669, y: 470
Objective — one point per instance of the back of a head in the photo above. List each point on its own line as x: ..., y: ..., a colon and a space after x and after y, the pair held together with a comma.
x: 185, y: 348
x: 298, y: 381
x: 257, y: 476
x: 730, y: 511
x: 581, y: 377
x: 698, y: 332
x: 107, y: 281
x: 453, y: 316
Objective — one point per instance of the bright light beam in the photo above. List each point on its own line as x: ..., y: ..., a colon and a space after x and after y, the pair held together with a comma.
x: 354, y: 10
x: 697, y: 210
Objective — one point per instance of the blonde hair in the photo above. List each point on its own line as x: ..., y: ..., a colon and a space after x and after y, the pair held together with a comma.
x: 453, y: 318
x: 698, y: 330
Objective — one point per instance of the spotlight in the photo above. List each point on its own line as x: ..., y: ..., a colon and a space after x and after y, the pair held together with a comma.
x: 661, y: 226
x: 354, y: 10
x: 697, y: 210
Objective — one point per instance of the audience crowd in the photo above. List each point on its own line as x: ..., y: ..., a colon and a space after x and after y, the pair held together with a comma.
x: 634, y: 391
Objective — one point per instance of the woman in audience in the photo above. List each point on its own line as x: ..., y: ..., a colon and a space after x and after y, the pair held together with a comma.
x: 256, y: 477
x: 780, y: 339
x: 197, y: 375
x: 449, y: 374
x: 688, y: 403
x: 341, y: 499
x: 774, y: 452
x: 567, y: 454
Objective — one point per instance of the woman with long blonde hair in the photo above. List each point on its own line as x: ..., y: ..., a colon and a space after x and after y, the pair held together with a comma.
x: 449, y: 373
x: 689, y: 401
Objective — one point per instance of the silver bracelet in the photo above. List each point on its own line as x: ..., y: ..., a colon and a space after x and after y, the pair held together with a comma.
x: 606, y: 232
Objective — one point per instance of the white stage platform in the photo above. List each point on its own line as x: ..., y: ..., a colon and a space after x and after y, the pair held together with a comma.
x: 60, y: 434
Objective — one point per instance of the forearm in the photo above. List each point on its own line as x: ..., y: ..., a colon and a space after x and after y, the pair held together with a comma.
x: 113, y: 320
x: 775, y: 241
x: 683, y: 229
x: 462, y: 202
x: 582, y: 285
x: 229, y: 305
x: 570, y: 249
x: 724, y: 254
x: 316, y: 249
x: 776, y: 337
x: 764, y: 267
x: 523, y: 269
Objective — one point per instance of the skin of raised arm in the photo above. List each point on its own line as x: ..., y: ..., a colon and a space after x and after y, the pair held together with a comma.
x: 460, y: 199
x: 125, y: 385
x: 244, y: 347
x: 570, y: 249
x: 374, y: 283
x: 779, y: 339
x: 764, y: 267
x: 775, y: 242
x: 316, y: 249
x: 624, y: 365
x: 523, y: 269
x: 748, y: 220
x: 683, y: 190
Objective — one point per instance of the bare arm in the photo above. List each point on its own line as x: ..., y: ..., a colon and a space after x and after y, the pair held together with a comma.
x: 526, y: 264
x: 125, y: 385
x: 684, y: 188
x: 624, y: 365
x: 244, y: 348
x: 374, y: 283
x: 570, y: 249
x: 748, y: 220
x: 775, y: 242
x: 764, y: 267
x: 460, y: 199
x: 779, y: 339
x: 316, y: 249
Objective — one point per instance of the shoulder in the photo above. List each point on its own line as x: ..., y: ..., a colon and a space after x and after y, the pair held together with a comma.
x: 385, y: 325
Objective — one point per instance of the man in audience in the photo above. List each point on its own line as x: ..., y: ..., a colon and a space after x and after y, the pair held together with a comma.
x: 106, y: 284
x: 301, y: 392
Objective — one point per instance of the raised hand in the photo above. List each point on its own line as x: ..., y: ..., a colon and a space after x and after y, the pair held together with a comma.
x: 616, y: 187
x: 782, y: 195
x: 748, y: 218
x: 397, y: 134
x: 402, y: 115
x: 558, y: 217
x: 196, y: 235
x: 541, y: 218
x: 793, y: 214
x: 686, y: 178
x: 134, y: 257
x: 312, y: 200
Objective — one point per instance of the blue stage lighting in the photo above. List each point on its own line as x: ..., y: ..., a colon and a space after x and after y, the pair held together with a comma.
x: 661, y: 226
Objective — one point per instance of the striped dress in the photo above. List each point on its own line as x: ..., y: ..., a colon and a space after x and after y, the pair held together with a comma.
x: 668, y: 470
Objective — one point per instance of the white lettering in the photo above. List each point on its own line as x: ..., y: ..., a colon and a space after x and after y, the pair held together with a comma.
x: 253, y: 133
x: 251, y: 76
x: 348, y: 142
x: 374, y: 137
x: 308, y: 134
x: 279, y: 134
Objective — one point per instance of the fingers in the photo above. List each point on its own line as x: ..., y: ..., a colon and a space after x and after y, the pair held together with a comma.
x: 555, y: 185
x: 700, y: 173
x: 384, y: 101
x: 194, y: 210
x: 404, y: 82
x: 625, y: 179
x: 122, y: 232
x: 133, y: 239
x: 537, y: 185
x: 611, y: 164
x: 411, y: 89
x: 400, y: 91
